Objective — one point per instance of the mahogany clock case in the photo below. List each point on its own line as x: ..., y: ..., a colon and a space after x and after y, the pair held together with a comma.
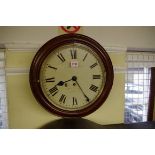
x: 46, y: 49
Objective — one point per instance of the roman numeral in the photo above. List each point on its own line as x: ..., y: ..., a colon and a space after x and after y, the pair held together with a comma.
x: 74, y: 101
x: 62, y: 98
x: 50, y: 79
x: 53, y: 90
x: 52, y: 67
x: 61, y: 57
x: 73, y: 54
x: 93, y: 65
x: 96, y: 76
x: 93, y: 88
x: 85, y: 57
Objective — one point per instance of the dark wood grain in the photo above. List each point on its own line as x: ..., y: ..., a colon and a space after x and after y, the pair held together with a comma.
x: 152, y: 95
x: 49, y: 47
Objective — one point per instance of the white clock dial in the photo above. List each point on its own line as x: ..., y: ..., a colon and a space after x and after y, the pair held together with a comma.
x: 72, y: 77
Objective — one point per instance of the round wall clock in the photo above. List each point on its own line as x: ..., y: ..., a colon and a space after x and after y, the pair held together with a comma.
x: 71, y: 75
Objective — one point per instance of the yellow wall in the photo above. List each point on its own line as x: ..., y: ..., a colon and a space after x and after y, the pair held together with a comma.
x: 25, y: 112
x: 23, y: 42
x: 122, y: 36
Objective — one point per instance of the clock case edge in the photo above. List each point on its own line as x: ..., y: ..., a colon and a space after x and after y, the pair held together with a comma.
x: 45, y: 50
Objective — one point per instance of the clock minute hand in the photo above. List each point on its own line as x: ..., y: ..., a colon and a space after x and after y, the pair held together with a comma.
x: 74, y: 78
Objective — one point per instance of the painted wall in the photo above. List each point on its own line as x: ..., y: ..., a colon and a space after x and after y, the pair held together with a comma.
x: 25, y: 112
x: 135, y: 37
x: 22, y: 44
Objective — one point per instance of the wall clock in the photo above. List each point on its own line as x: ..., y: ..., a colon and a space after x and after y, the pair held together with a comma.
x: 71, y: 75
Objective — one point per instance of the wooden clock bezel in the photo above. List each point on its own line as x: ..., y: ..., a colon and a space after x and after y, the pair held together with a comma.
x: 50, y: 46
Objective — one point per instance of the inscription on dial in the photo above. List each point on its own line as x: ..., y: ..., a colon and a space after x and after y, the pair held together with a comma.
x: 74, y: 101
x: 61, y: 57
x: 96, y: 76
x: 73, y: 54
x: 50, y: 79
x: 53, y: 91
x: 52, y: 67
x: 93, y: 88
x: 62, y: 98
x: 85, y: 57
x: 93, y: 65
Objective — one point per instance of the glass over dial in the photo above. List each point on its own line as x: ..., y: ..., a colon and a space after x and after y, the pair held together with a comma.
x: 72, y: 77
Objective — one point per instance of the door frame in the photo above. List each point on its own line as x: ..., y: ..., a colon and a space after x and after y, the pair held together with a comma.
x: 152, y: 95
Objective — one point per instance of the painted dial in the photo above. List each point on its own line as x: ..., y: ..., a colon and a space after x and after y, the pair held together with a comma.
x: 72, y: 77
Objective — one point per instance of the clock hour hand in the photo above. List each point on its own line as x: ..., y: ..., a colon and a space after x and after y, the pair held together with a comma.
x: 74, y: 78
x: 61, y: 83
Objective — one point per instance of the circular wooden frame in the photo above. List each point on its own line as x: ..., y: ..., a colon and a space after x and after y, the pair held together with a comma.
x: 50, y: 46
